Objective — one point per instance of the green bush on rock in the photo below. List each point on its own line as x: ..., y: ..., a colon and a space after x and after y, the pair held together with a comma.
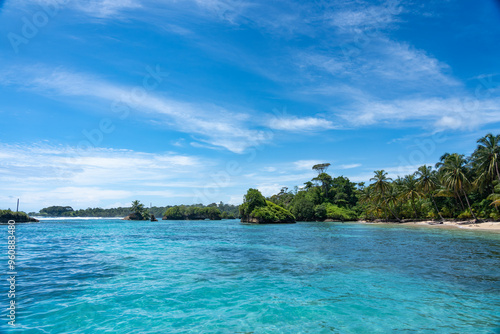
x: 256, y: 209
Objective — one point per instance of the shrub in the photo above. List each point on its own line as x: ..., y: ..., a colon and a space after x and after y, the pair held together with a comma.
x: 320, y: 212
x: 337, y: 213
x: 265, y: 214
x: 465, y: 215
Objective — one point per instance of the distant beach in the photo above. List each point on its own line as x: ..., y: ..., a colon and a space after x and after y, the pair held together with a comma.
x: 493, y: 226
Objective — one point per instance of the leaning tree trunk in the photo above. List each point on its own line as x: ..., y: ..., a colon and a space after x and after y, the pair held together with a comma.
x: 437, y: 209
x: 498, y: 173
x: 389, y: 207
x: 470, y: 209
x: 460, y: 199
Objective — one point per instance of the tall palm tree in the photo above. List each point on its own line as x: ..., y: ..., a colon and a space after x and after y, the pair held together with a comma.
x: 454, y: 174
x: 365, y: 195
x: 382, y: 186
x: 486, y: 159
x: 367, y: 198
x: 427, y: 182
x: 138, y: 208
x: 392, y: 196
x: 410, y: 191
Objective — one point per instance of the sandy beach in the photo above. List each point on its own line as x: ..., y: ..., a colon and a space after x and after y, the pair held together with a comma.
x: 493, y: 226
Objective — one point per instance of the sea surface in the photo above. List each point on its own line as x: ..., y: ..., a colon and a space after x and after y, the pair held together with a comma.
x: 115, y: 276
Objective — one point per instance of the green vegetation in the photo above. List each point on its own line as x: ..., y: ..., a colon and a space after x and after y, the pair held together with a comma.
x: 321, y: 198
x: 139, y: 212
x: 54, y: 211
x: 256, y: 209
x: 457, y: 187
x: 189, y: 212
x: 228, y: 211
x: 6, y: 215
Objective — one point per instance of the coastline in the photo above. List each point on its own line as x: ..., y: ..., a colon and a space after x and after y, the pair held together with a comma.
x: 492, y: 226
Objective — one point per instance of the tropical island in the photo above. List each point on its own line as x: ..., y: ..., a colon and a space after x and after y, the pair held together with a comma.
x: 18, y: 217
x: 227, y: 211
x: 256, y: 209
x: 456, y: 188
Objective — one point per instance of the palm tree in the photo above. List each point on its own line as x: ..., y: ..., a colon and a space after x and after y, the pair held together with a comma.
x: 366, y: 197
x: 382, y: 186
x: 409, y: 190
x: 392, y: 196
x: 138, y: 208
x: 486, y: 159
x: 495, y: 196
x: 428, y: 182
x: 454, y: 174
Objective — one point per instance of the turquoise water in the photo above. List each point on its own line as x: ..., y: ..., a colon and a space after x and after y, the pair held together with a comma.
x: 114, y: 276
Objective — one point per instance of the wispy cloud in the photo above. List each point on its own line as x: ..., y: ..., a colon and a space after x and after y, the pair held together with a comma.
x: 89, y: 167
x: 367, y: 16
x: 107, y: 8
x: 439, y: 113
x: 298, y: 124
x: 212, y: 124
x: 94, y: 8
x: 384, y: 61
x: 350, y: 166
x: 269, y: 169
x: 306, y: 164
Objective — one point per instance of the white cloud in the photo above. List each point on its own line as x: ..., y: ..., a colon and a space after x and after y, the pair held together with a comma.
x: 94, y: 8
x: 392, y: 172
x: 380, y: 62
x: 440, y: 113
x: 297, y: 124
x: 363, y: 17
x: 107, y: 8
x: 306, y: 164
x: 269, y: 189
x: 350, y: 166
x: 363, y: 177
x: 235, y: 199
x: 332, y: 65
x: 42, y: 174
x: 215, y: 125
x: 400, y: 62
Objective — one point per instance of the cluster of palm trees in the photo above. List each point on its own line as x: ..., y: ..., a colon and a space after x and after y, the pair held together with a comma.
x: 458, y: 187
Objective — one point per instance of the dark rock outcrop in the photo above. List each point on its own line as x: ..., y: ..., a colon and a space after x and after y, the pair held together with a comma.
x: 18, y: 217
x: 254, y: 220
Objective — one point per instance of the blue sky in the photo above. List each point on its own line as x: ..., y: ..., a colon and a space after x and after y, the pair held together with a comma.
x: 172, y: 102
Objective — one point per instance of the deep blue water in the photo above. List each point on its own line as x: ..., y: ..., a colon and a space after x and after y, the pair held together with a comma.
x: 114, y: 276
